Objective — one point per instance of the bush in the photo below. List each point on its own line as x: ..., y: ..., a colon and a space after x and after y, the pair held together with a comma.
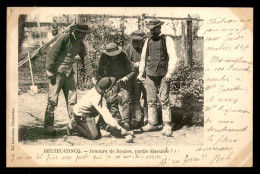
x: 188, y: 86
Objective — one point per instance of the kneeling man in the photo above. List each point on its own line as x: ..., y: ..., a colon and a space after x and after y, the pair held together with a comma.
x: 93, y: 103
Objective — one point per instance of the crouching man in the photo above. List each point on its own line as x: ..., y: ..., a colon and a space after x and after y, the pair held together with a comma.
x: 93, y: 103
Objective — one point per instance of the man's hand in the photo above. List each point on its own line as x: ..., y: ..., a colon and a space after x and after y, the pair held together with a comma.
x: 124, y: 79
x: 168, y: 77
x: 94, y: 80
x: 123, y: 132
x: 49, y: 74
x: 140, y: 76
x: 136, y: 64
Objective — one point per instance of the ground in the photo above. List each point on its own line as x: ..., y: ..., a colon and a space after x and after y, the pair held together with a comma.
x: 31, y: 115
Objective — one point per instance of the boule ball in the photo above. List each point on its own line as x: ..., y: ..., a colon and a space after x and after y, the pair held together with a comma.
x: 168, y: 133
x: 163, y: 132
x: 129, y: 139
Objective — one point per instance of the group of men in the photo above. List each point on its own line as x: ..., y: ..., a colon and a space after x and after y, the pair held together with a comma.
x: 144, y: 68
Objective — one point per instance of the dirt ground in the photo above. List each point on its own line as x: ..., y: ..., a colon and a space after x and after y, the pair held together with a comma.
x: 31, y: 115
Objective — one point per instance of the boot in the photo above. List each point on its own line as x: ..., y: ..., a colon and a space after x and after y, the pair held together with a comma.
x: 149, y: 128
x: 71, y: 127
x: 167, y: 129
x: 49, y: 119
x: 50, y: 130
x: 145, y: 115
x: 135, y: 124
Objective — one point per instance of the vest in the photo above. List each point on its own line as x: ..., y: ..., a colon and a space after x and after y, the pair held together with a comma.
x: 156, y: 63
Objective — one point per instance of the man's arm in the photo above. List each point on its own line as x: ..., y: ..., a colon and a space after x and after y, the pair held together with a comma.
x: 143, y: 57
x: 53, y: 53
x: 101, y: 66
x: 128, y: 52
x: 104, y: 111
x: 128, y: 67
x: 171, y: 54
x: 86, y: 62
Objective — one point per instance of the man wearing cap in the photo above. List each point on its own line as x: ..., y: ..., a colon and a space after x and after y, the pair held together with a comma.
x: 114, y: 62
x: 158, y: 59
x: 59, y: 69
x: 93, y: 103
x: 133, y: 51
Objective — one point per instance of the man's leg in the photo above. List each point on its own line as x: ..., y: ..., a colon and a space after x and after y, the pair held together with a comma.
x: 145, y: 107
x: 136, y: 106
x: 86, y: 127
x: 151, y: 100
x: 54, y: 90
x: 164, y: 92
x: 126, y: 100
x: 70, y: 94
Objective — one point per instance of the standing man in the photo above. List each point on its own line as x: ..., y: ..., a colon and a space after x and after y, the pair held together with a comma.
x: 159, y: 59
x: 133, y: 51
x: 114, y: 62
x: 59, y: 69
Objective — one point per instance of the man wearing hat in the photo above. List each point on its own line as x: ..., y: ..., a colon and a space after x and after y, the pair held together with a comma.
x: 133, y: 51
x: 93, y: 103
x: 158, y: 60
x: 59, y: 69
x: 114, y: 62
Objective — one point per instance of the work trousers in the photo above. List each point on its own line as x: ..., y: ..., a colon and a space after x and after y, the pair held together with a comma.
x: 86, y: 127
x: 138, y: 89
x: 158, y: 86
x: 67, y: 85
x: 124, y: 101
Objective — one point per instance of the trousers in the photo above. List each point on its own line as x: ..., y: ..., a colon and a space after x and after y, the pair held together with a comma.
x: 138, y: 89
x: 124, y: 101
x: 67, y: 85
x: 86, y: 127
x: 158, y: 86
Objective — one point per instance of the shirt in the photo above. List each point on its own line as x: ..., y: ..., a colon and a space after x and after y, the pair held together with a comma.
x: 89, y: 102
x: 171, y: 54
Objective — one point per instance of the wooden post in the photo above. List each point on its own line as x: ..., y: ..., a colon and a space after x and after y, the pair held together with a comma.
x: 39, y: 30
x: 142, y: 22
x: 189, y: 42
x: 76, y: 18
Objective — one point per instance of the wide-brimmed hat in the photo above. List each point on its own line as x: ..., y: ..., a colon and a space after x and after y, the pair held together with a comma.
x: 81, y: 27
x: 105, y: 84
x: 138, y: 35
x: 154, y: 23
x: 112, y: 49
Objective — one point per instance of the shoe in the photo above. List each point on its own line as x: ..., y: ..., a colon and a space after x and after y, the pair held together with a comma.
x: 70, y: 131
x: 167, y: 130
x: 149, y: 128
x: 50, y: 130
x: 135, y: 125
x: 105, y: 133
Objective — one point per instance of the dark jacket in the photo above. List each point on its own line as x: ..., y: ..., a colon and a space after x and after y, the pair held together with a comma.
x: 60, y: 57
x: 117, y: 68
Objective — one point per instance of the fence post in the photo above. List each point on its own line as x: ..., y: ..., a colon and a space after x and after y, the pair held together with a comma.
x: 39, y: 29
x: 142, y: 22
x: 189, y: 42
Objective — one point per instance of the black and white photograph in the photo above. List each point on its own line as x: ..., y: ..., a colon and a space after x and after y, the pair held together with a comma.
x: 129, y: 87
x: 110, y: 79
